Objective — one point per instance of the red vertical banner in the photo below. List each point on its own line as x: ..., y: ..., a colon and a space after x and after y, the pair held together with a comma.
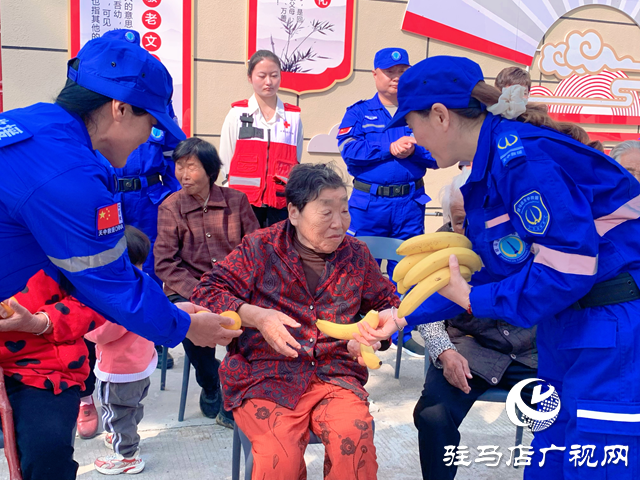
x: 166, y: 31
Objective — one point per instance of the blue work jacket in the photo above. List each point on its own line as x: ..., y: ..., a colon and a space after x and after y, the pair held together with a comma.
x: 549, y: 217
x: 56, y: 193
x: 364, y: 146
x: 140, y: 207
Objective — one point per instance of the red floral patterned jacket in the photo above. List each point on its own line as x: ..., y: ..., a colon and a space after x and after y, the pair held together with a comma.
x: 265, y: 270
x: 58, y: 360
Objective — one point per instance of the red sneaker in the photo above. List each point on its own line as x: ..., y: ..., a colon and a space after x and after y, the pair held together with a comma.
x: 87, y: 421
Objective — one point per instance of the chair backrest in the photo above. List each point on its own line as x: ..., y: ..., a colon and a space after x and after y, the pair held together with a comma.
x: 383, y: 247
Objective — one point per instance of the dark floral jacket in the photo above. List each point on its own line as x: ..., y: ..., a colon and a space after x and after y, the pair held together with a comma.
x: 266, y: 271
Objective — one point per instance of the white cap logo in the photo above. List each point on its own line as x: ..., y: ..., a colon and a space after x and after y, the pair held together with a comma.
x: 548, y: 404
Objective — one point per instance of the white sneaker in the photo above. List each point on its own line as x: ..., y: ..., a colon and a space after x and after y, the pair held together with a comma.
x: 116, y: 464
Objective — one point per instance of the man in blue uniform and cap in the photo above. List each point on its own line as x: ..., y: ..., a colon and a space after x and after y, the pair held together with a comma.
x: 388, y: 167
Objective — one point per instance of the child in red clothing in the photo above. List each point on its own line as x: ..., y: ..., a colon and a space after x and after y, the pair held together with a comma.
x: 44, y: 358
x: 125, y: 361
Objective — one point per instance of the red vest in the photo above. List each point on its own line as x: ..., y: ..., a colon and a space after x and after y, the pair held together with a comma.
x: 260, y: 166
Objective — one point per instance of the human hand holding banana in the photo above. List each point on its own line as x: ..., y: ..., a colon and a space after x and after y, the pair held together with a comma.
x: 349, y: 331
x: 355, y: 350
x: 431, y: 262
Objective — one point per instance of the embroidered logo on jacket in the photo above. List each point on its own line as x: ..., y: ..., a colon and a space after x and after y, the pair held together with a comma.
x: 533, y: 213
x: 509, y: 147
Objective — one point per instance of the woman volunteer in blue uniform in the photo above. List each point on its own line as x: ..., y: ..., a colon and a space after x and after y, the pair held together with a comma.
x: 59, y: 210
x: 556, y: 225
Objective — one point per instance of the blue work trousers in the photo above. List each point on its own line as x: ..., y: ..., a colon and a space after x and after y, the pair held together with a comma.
x: 592, y: 358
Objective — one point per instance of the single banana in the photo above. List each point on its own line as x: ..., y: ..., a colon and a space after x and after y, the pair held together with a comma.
x: 402, y: 289
x: 426, y: 288
x: 345, y: 332
x: 404, y: 265
x: 440, y: 259
x: 371, y: 360
x: 431, y: 242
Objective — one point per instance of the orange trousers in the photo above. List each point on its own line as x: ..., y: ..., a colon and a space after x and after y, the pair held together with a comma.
x: 279, y: 436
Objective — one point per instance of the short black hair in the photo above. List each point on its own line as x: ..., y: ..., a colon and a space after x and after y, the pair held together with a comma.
x: 260, y: 55
x: 82, y: 101
x: 204, y: 152
x: 306, y: 181
x: 138, y: 245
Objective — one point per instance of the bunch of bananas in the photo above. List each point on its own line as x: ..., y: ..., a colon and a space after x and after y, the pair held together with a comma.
x: 426, y: 265
x: 345, y: 332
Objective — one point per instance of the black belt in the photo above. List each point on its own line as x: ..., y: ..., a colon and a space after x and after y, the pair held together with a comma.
x: 388, y: 190
x: 620, y: 289
x: 133, y: 184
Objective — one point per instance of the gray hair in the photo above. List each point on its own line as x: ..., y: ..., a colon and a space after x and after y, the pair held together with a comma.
x: 624, y: 147
x: 448, y: 191
x: 306, y: 181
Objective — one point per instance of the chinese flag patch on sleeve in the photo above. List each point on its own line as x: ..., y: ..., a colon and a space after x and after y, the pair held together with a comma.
x: 109, y: 219
x: 344, y: 131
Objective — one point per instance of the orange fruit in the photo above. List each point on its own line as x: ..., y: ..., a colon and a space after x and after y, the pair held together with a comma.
x: 233, y: 316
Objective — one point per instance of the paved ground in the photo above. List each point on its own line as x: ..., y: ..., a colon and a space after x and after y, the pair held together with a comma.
x: 199, y: 449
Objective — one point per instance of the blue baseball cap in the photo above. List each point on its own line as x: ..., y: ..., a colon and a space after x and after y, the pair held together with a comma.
x: 440, y: 79
x: 115, y: 65
x: 390, y: 57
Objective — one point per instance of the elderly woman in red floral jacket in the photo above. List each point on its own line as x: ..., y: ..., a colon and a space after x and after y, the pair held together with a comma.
x: 282, y: 376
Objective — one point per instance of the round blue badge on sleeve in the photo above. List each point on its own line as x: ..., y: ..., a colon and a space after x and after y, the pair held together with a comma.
x: 157, y: 134
x: 511, y: 249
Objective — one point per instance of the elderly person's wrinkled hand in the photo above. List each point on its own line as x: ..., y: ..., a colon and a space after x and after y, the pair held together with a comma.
x: 456, y: 369
x: 271, y: 325
x: 22, y: 320
x: 353, y: 346
x: 207, y: 329
x: 387, y: 327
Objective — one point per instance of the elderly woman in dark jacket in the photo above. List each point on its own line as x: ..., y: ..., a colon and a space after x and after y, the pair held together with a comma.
x: 283, y: 376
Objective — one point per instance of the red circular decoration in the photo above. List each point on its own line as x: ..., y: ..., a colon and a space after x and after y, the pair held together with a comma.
x: 151, y: 41
x: 152, y: 3
x: 323, y: 3
x: 151, y: 19
x: 156, y: 57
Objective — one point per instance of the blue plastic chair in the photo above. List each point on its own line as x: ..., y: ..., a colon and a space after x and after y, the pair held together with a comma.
x: 385, y: 248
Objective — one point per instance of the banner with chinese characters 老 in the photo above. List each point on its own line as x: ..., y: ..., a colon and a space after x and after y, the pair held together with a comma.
x: 165, y: 28
x: 314, y: 40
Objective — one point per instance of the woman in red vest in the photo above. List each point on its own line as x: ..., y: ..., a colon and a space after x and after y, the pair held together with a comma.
x: 262, y: 140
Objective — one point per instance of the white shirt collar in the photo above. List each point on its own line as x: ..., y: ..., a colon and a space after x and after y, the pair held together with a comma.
x: 255, y: 108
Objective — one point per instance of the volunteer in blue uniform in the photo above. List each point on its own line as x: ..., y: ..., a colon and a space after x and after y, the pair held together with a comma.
x: 556, y: 225
x: 388, y: 167
x: 145, y: 181
x: 59, y: 210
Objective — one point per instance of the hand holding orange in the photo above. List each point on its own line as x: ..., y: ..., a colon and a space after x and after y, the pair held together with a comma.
x: 233, y: 316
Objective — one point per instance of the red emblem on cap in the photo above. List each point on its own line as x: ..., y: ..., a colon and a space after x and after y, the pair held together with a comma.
x: 323, y: 3
x: 151, y: 19
x: 151, y: 41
